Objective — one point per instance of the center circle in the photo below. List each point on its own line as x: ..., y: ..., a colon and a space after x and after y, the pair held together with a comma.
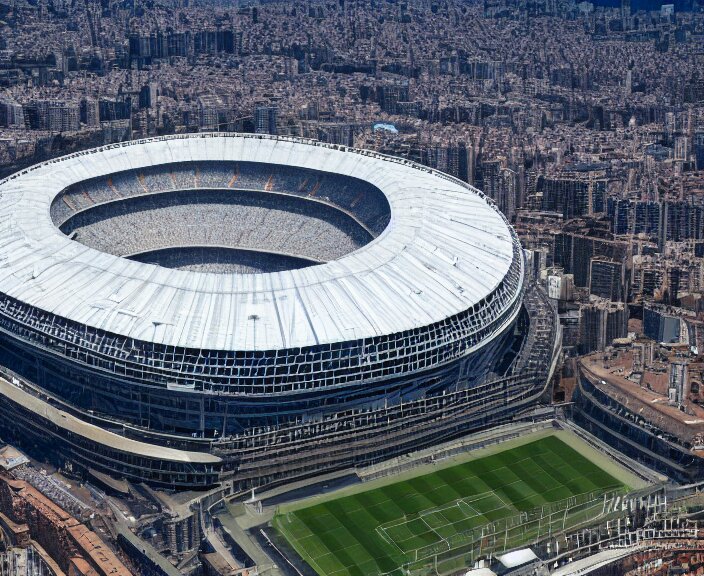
x: 223, y: 217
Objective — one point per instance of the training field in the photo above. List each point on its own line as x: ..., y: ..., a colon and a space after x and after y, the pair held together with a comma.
x: 440, y: 520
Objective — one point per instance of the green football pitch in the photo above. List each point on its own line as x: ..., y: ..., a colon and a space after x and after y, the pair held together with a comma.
x: 437, y: 520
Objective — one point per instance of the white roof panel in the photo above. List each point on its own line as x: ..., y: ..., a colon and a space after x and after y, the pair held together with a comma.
x: 517, y: 558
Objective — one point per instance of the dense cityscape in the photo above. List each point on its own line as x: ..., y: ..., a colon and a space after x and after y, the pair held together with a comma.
x: 149, y: 436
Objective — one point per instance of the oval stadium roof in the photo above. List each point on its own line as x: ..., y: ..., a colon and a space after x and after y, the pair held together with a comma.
x: 445, y: 249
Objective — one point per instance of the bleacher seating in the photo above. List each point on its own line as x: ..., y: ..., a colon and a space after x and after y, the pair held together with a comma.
x: 220, y: 260
x: 241, y: 220
x: 361, y: 199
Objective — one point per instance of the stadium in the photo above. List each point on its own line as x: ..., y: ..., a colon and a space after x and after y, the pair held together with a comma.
x: 194, y: 309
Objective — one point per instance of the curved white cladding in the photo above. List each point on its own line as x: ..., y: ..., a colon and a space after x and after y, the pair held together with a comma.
x: 446, y: 249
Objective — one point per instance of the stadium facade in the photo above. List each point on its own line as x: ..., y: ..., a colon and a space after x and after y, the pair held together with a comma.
x: 192, y: 309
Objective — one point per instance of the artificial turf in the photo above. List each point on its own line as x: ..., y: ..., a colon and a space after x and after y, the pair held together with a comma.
x: 380, y: 530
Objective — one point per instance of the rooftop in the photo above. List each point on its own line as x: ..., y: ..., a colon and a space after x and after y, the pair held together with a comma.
x: 445, y: 249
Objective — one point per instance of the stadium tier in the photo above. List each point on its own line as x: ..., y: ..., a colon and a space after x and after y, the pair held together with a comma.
x: 264, y: 308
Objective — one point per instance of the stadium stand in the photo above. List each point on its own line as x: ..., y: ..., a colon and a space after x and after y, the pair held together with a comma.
x: 361, y: 200
x: 280, y: 224
x: 410, y: 331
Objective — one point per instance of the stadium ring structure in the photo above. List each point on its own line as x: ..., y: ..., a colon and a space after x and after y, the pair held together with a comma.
x: 191, y: 310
